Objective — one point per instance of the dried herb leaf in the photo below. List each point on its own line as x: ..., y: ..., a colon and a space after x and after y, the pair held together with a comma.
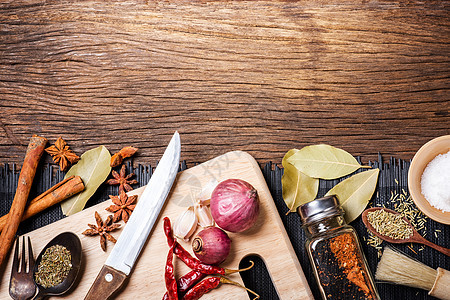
x: 298, y: 188
x: 355, y: 192
x: 324, y: 161
x: 93, y: 168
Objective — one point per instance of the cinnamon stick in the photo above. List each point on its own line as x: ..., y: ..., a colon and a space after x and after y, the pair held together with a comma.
x: 30, y: 163
x: 57, y: 193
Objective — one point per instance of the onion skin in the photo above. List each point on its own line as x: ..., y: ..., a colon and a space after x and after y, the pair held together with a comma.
x: 211, y: 245
x: 234, y: 205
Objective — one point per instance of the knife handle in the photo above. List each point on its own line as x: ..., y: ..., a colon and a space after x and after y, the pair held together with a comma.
x: 108, y: 281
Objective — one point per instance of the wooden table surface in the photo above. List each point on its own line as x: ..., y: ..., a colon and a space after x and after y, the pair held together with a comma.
x: 258, y: 76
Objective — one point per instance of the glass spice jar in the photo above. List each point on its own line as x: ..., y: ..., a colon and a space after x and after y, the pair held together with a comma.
x: 335, y: 253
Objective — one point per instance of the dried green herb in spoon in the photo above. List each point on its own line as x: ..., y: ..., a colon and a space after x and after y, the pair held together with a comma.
x: 54, y: 267
x: 389, y: 224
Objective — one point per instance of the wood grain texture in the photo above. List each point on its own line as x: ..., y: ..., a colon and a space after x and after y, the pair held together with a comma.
x: 259, y: 76
x: 101, y: 288
x: 267, y: 239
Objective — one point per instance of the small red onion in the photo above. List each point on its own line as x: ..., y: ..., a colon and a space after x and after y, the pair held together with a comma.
x: 234, y: 205
x: 211, y: 245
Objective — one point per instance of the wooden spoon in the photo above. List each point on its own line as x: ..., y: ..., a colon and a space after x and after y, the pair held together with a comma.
x: 415, y: 238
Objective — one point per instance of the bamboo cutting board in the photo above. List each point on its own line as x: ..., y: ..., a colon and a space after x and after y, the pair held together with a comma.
x: 267, y: 239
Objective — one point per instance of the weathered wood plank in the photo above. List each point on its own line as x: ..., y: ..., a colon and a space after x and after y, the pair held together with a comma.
x: 257, y: 76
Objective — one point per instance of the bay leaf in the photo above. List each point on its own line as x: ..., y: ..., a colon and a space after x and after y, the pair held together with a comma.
x: 324, y: 161
x: 355, y: 192
x: 297, y: 187
x: 93, y: 168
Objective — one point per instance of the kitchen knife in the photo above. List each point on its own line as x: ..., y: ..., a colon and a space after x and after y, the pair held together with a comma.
x: 133, y: 237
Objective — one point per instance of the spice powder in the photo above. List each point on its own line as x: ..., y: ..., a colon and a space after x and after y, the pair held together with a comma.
x: 341, y: 269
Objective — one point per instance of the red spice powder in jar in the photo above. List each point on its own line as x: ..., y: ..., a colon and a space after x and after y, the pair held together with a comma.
x: 345, y: 250
x: 335, y: 253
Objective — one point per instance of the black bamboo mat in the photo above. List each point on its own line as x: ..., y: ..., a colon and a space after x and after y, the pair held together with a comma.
x: 392, y: 184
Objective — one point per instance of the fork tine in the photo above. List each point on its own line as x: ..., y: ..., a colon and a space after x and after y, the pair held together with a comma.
x: 21, y: 284
x: 15, y: 266
x: 30, y: 256
x: 23, y: 268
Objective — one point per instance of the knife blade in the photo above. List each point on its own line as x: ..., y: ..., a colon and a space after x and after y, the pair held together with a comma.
x: 122, y: 258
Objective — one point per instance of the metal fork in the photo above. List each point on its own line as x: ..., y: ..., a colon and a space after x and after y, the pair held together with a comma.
x: 21, y: 285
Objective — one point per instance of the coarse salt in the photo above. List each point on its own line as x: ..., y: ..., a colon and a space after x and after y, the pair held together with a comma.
x: 435, y: 183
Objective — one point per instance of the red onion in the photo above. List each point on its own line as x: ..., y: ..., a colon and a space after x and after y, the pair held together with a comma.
x: 211, y: 245
x: 234, y: 205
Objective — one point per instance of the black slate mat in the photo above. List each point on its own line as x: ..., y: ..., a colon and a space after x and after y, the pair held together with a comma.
x: 392, y: 183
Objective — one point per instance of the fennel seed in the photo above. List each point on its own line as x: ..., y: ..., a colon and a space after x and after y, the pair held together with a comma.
x: 389, y: 224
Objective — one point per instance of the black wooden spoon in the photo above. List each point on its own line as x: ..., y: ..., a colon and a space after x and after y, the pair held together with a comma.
x: 72, y: 243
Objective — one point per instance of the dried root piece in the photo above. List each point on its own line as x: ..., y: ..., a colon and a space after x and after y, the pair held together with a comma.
x: 118, y: 157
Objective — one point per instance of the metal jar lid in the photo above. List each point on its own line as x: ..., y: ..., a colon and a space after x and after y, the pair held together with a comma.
x: 319, y: 209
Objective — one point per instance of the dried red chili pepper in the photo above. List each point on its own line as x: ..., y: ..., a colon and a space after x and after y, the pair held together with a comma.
x: 210, y: 283
x: 189, y: 280
x: 192, y: 262
x: 186, y: 257
x: 197, y: 265
x: 171, y: 283
x: 168, y: 231
x: 185, y: 282
x: 202, y: 288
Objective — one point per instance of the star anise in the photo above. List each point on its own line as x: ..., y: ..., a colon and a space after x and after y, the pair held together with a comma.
x: 123, y: 206
x: 122, y: 180
x: 102, y: 230
x: 61, y: 154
